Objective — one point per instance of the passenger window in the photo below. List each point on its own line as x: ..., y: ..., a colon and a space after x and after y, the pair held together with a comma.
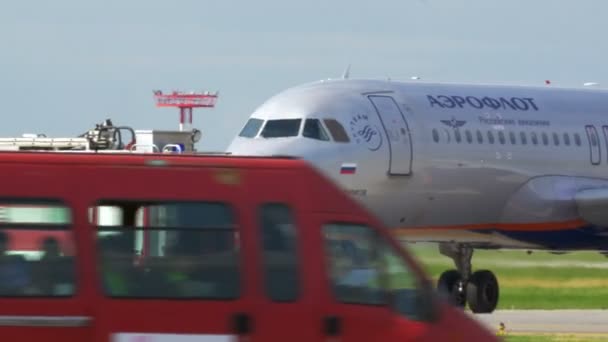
x: 457, y: 136
x: 555, y: 139
x: 336, y: 130
x: 167, y: 249
x: 281, y: 128
x: 314, y: 130
x: 280, y: 253
x: 479, y: 137
x: 545, y: 139
x: 566, y: 139
x: 577, y: 139
x: 469, y: 136
x: 534, y: 138
x: 36, y: 249
x: 522, y: 137
x: 364, y: 268
x: 512, y: 138
x: 435, y: 135
x: 490, y: 137
x: 448, y: 137
x: 501, y: 137
x: 251, y: 129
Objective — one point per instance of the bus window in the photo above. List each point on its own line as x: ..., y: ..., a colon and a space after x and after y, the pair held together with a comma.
x: 168, y: 250
x: 353, y: 264
x: 402, y: 282
x: 36, y: 249
x: 280, y: 255
x: 364, y: 268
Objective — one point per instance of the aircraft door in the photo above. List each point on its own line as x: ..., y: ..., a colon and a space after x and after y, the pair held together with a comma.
x: 594, y: 144
x: 398, y: 134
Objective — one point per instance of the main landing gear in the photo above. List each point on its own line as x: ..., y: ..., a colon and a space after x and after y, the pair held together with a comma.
x: 461, y: 286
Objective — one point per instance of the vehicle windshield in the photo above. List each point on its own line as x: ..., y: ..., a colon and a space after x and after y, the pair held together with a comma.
x: 251, y: 129
x: 281, y: 128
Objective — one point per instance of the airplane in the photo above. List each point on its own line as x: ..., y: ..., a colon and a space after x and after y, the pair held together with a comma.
x: 466, y: 166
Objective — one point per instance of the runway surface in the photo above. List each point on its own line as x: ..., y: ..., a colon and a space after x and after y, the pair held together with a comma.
x: 547, y: 321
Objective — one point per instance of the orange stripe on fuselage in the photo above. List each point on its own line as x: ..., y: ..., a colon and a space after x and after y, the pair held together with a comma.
x: 522, y: 227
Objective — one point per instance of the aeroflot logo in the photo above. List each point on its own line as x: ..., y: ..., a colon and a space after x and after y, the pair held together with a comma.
x: 523, y: 104
x: 365, y: 131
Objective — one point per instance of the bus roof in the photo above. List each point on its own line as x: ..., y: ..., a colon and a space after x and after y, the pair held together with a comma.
x: 151, y: 159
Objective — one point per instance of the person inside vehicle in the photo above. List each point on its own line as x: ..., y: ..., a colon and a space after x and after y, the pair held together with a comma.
x: 117, y: 265
x: 355, y: 267
x: 15, y: 278
x: 46, y: 267
x: 53, y: 271
x: 353, y: 272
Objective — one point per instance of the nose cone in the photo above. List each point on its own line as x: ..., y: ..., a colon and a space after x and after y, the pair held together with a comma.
x: 267, y: 147
x: 247, y: 147
x: 318, y: 154
x: 322, y: 156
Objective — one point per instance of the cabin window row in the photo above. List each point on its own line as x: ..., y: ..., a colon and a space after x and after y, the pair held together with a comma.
x: 503, y: 137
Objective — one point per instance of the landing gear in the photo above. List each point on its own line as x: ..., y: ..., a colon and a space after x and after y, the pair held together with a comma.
x: 482, y: 292
x: 480, y: 289
x: 451, y: 284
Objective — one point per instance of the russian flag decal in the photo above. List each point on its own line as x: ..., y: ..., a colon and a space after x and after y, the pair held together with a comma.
x: 348, y: 168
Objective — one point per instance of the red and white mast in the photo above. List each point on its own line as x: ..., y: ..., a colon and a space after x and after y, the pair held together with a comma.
x: 186, y: 102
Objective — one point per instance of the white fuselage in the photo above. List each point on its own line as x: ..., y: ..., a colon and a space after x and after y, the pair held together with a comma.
x: 493, y: 166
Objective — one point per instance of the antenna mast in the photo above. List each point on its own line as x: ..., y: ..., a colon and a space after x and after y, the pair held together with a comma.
x: 186, y: 102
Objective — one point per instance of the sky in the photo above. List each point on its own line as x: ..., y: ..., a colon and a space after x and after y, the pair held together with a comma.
x: 66, y: 65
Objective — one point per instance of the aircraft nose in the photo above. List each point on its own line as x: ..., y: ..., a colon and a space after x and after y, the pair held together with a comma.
x: 242, y: 147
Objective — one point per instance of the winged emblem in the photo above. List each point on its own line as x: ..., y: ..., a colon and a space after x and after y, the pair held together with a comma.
x: 454, y: 123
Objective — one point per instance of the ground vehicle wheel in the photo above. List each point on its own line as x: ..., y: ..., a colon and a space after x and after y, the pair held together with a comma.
x: 482, y: 292
x: 449, y: 285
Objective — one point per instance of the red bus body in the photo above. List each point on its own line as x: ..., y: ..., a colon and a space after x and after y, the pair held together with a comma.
x: 257, y: 191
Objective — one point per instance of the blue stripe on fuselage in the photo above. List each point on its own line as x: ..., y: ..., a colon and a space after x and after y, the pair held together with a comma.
x: 582, y: 238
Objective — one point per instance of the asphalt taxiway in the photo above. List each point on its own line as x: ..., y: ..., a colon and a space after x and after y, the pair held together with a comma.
x: 547, y: 321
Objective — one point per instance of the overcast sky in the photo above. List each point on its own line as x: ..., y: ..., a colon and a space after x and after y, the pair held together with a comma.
x: 66, y: 65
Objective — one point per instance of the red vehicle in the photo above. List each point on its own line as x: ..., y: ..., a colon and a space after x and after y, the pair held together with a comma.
x: 106, y: 247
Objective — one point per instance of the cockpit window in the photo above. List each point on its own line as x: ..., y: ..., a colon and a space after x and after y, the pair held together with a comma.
x: 314, y: 130
x: 336, y: 130
x: 281, y: 128
x: 251, y: 129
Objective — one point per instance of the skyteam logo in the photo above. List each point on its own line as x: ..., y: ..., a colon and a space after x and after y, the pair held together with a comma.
x: 454, y: 123
x: 365, y: 131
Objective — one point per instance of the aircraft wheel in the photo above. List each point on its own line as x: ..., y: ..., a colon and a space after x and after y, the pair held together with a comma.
x: 482, y: 292
x: 449, y: 284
